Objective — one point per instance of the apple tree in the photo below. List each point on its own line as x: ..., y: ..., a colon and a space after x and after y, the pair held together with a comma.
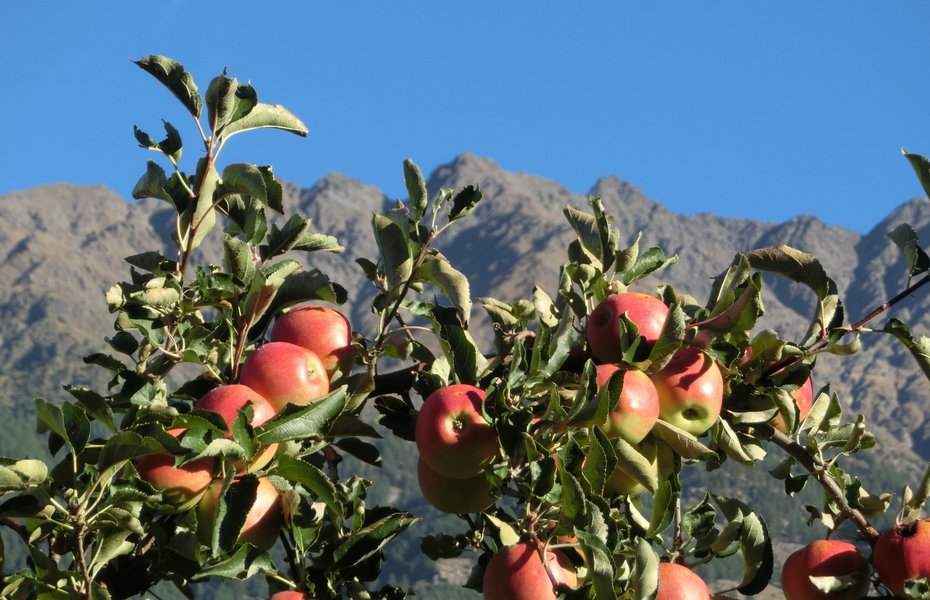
x: 236, y: 388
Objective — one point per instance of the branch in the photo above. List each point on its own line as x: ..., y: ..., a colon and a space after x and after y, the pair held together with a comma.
x: 823, y: 477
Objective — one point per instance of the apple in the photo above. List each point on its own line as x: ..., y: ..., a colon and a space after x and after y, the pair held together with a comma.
x: 451, y: 434
x: 289, y: 595
x: 678, y: 582
x: 690, y: 391
x: 456, y: 496
x: 825, y: 558
x: 903, y: 553
x: 637, y: 409
x: 262, y: 523
x: 517, y: 573
x: 603, y: 330
x: 181, y: 486
x: 620, y: 483
x: 226, y: 400
x: 804, y: 397
x: 320, y: 329
x: 285, y: 373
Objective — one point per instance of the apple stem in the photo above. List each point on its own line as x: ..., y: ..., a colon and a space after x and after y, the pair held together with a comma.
x: 823, y: 477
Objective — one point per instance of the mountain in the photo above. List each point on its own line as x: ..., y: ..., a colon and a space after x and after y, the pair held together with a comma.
x: 60, y: 245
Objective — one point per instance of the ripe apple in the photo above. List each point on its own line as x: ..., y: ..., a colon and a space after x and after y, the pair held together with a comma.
x: 903, y: 553
x: 638, y: 408
x: 181, y: 486
x: 825, y: 558
x: 226, y: 400
x: 285, y: 373
x: 289, y: 595
x: 456, y: 496
x: 262, y: 523
x: 320, y: 329
x: 517, y: 573
x: 603, y: 330
x: 690, y: 391
x: 804, y: 397
x: 678, y: 582
x: 452, y: 436
x: 620, y: 483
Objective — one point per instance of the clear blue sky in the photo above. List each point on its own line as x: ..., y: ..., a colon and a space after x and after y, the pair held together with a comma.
x: 765, y: 110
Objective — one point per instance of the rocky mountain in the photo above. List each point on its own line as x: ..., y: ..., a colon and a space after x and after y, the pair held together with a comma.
x: 61, y: 246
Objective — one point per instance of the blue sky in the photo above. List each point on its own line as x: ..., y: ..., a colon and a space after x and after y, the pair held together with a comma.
x: 763, y: 110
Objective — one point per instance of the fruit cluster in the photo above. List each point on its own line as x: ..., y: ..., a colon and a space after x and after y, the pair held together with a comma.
x: 310, y: 346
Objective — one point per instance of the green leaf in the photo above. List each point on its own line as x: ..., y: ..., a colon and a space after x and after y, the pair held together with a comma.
x: 247, y: 562
x: 755, y: 545
x: 95, y: 404
x: 794, y: 264
x: 110, y: 545
x: 600, y: 563
x: 437, y: 269
x: 634, y: 464
x: 152, y: 184
x: 739, y: 308
x: 126, y: 445
x: 458, y: 345
x: 918, y: 347
x: 416, y: 189
x: 204, y: 217
x: 21, y: 475
x: 221, y: 100
x: 296, y: 423
x: 173, y: 76
x: 683, y: 443
x: 312, y: 478
x: 264, y: 116
x: 921, y: 167
x: 646, y: 574
x: 242, y: 178
x: 586, y: 228
x: 368, y: 540
x: 464, y: 202
x: 170, y: 146
x: 238, y: 258
x: 905, y: 237
x: 395, y: 253
x: 650, y: 261
x: 67, y: 421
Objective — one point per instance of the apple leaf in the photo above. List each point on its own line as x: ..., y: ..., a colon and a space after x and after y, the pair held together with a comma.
x: 464, y: 202
x: 905, y: 237
x: 601, y: 461
x: 646, y: 572
x: 267, y: 116
x: 395, y: 252
x: 667, y: 493
x: 170, y: 146
x: 21, y: 474
x: 437, y: 269
x: 304, y: 421
x: 586, y: 228
x: 312, y: 478
x: 173, y: 76
x: 248, y: 561
x: 632, y: 462
x: 365, y: 542
x: 733, y: 445
x: 66, y: 421
x: 204, y: 215
x: 918, y: 347
x: 443, y: 546
x: 416, y: 189
x: 650, y: 261
x: 152, y: 184
x: 600, y: 564
x: 683, y: 443
x: 755, y: 545
x: 921, y: 167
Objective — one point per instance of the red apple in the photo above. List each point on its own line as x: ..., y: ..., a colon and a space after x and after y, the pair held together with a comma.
x: 903, y: 553
x: 825, y: 558
x: 226, y: 400
x: 285, y: 374
x: 603, y: 331
x: 638, y: 408
x: 517, y: 573
x: 690, y: 391
x: 456, y: 496
x: 289, y: 595
x: 621, y: 483
x: 262, y: 523
x: 181, y: 486
x: 678, y: 582
x: 452, y: 436
x: 320, y: 329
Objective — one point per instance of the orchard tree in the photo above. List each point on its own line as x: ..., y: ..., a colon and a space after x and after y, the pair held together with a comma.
x: 235, y: 390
